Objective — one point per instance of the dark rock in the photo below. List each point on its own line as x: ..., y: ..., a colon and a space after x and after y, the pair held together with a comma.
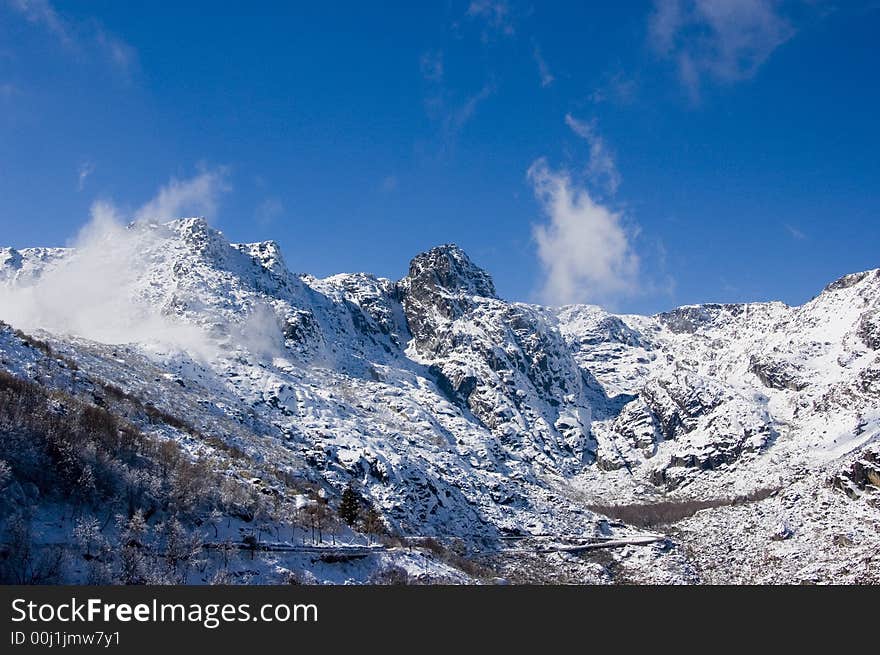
x: 869, y: 329
x: 687, y: 320
x: 777, y: 374
x: 847, y: 281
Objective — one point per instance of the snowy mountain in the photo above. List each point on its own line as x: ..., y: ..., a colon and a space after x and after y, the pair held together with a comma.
x: 504, y: 431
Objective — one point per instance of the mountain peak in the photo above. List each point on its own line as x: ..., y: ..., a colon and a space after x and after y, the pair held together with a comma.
x: 851, y: 280
x: 193, y: 228
x: 449, y: 268
x: 440, y: 287
x: 266, y: 253
x: 10, y: 257
x: 193, y: 223
x: 195, y: 235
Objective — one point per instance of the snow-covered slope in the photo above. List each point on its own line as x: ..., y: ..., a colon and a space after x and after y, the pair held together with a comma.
x: 460, y: 414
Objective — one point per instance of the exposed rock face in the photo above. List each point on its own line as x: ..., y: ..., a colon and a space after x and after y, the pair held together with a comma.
x: 506, y: 362
x: 850, y: 280
x: 267, y: 254
x: 10, y: 259
x: 864, y: 472
x: 687, y: 320
x: 442, y: 286
x: 869, y: 329
x: 777, y: 374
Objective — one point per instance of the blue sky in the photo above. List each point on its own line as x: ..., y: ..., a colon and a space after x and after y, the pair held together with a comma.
x: 642, y: 156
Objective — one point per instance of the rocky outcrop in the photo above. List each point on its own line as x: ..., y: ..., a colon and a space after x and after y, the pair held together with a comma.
x: 687, y: 320
x: 777, y: 374
x: 442, y: 285
x: 10, y: 259
x: 869, y: 329
x: 864, y: 472
x: 851, y: 280
x: 506, y: 362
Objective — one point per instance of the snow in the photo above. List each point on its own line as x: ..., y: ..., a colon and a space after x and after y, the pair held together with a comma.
x: 467, y: 417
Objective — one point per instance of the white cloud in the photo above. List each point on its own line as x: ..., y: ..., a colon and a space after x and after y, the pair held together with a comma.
x: 90, y: 292
x: 617, y: 88
x: 198, y: 195
x: 389, y: 183
x: 452, y: 113
x: 727, y: 40
x: 794, y: 232
x: 495, y: 13
x: 100, y: 290
x: 268, y: 210
x: 77, y: 36
x: 431, y: 65
x: 585, y: 251
x: 448, y: 108
x: 601, y: 167
x: 117, y: 51
x: 8, y: 90
x: 546, y: 76
x: 85, y: 169
x: 41, y: 12
x: 458, y: 116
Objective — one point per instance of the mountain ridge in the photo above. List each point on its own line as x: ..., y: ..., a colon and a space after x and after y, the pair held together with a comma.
x: 461, y: 415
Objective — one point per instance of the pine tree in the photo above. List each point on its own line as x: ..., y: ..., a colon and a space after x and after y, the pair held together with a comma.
x: 349, y: 506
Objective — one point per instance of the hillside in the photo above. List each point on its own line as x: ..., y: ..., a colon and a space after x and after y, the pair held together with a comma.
x: 485, y: 438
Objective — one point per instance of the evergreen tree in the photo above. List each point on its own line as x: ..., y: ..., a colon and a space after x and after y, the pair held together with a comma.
x: 349, y: 506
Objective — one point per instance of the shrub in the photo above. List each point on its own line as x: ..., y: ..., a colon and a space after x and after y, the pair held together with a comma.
x: 668, y: 512
x: 390, y: 575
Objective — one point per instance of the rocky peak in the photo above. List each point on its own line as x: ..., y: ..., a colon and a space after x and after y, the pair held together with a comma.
x: 267, y: 254
x: 441, y: 287
x: 692, y: 318
x: 852, y: 279
x: 10, y: 258
x: 448, y: 269
x: 197, y: 234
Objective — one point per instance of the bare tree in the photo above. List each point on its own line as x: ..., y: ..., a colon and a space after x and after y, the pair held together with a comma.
x: 182, y: 549
x: 26, y: 563
x: 89, y: 536
x: 371, y: 523
x: 319, y: 517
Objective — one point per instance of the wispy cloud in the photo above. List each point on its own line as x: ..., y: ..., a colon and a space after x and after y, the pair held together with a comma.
x: 197, y: 195
x: 794, y: 232
x: 77, y: 36
x: 268, y: 210
x: 41, y: 12
x: 617, y: 88
x: 7, y: 90
x: 431, y: 65
x: 449, y: 109
x: 94, y: 293
x: 389, y: 184
x: 495, y: 14
x: 91, y: 292
x: 120, y: 54
x: 83, y: 171
x: 461, y: 114
x: 601, y: 167
x: 546, y: 76
x: 585, y: 251
x: 726, y: 40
